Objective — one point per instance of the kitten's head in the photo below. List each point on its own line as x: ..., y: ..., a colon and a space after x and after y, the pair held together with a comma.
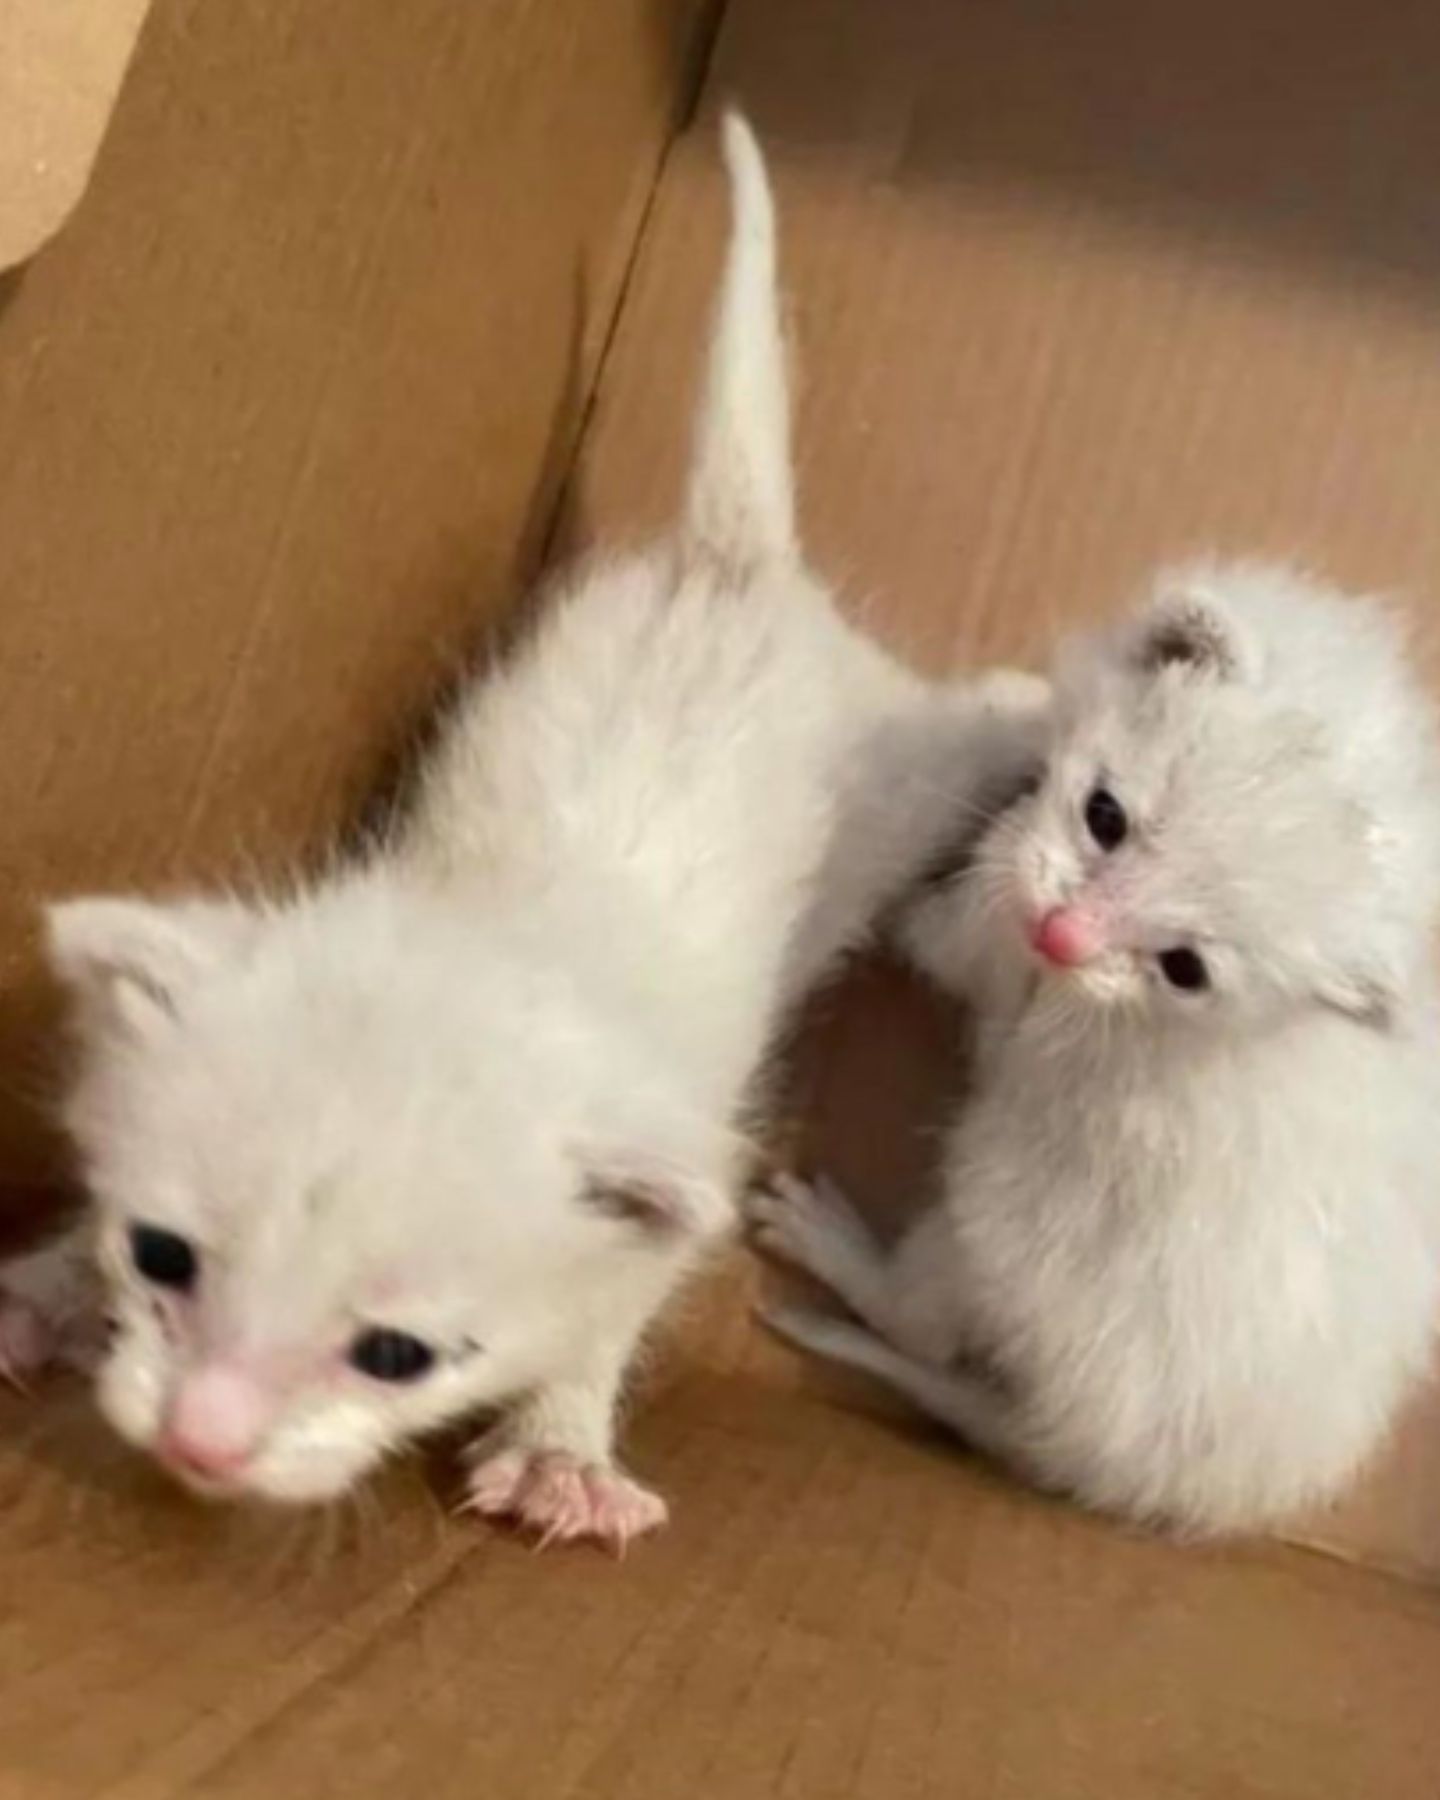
x: 1238, y: 812
x: 356, y: 1176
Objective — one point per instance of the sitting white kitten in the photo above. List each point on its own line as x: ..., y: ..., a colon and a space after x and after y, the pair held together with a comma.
x: 1188, y: 1262
x: 442, y: 1132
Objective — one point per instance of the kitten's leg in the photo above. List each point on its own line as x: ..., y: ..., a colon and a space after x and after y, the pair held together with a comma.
x: 928, y: 784
x: 908, y: 1299
x: 813, y: 1225
x: 549, y: 1466
x: 1019, y: 702
x: 962, y: 1401
x: 905, y: 1295
x: 50, y: 1309
x: 945, y: 928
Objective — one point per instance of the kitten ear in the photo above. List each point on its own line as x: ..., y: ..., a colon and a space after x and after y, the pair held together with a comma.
x: 130, y: 962
x: 1360, y: 995
x: 1189, y: 626
x: 658, y: 1197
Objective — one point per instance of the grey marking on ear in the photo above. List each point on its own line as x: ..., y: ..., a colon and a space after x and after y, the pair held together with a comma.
x: 1188, y: 633
x: 134, y: 960
x: 659, y: 1198
x: 1365, y: 1003
x: 634, y: 1201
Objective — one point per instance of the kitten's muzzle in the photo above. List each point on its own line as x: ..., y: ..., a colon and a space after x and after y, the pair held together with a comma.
x: 1066, y: 937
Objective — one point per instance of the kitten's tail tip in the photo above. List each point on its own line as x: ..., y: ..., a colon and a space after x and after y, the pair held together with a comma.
x: 744, y: 158
x: 752, y: 199
x: 740, y: 504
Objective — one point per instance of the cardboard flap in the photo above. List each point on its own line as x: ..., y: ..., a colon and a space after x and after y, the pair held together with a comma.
x: 61, y: 64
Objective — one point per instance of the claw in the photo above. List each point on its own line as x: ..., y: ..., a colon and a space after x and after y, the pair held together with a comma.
x: 558, y: 1499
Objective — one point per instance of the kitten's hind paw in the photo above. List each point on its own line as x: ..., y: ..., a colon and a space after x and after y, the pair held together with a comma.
x: 810, y: 1224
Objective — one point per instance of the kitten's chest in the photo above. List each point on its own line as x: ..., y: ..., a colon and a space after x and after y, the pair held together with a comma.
x: 1098, y: 1163
x: 1105, y: 1200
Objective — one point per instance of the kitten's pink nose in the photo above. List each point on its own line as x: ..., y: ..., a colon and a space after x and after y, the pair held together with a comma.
x: 215, y: 1423
x: 1067, y: 937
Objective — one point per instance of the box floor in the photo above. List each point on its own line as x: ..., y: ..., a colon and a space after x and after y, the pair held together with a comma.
x: 1073, y: 291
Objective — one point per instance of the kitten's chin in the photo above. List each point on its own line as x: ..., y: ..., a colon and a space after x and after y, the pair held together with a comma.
x: 269, y: 1483
x: 1108, y: 985
x: 299, y: 1487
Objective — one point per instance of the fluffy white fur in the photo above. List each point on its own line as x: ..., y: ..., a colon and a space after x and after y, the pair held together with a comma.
x: 490, y: 1088
x: 1188, y: 1262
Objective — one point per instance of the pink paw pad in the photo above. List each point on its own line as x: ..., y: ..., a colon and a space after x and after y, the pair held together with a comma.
x: 27, y: 1342
x: 560, y: 1500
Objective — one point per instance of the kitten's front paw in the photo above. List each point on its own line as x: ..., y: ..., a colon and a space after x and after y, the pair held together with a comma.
x: 28, y: 1343
x: 35, y: 1343
x: 49, y: 1314
x: 559, y: 1499
x: 808, y: 1223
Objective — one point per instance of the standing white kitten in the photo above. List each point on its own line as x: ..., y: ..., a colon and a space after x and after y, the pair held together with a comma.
x: 1188, y: 1262
x: 443, y: 1132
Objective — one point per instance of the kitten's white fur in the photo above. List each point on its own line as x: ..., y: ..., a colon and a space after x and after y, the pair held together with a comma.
x: 490, y: 1087
x: 1188, y: 1262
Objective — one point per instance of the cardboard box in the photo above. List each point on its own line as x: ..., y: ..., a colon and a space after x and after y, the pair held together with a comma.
x: 287, y: 408
x: 61, y: 64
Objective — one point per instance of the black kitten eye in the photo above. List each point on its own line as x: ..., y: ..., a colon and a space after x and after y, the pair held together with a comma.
x: 1184, y: 969
x: 391, y: 1355
x: 1105, y: 819
x: 163, y: 1257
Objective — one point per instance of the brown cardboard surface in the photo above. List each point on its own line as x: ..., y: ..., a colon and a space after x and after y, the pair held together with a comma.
x: 840, y: 1608
x: 1070, y: 293
x: 61, y: 64
x: 282, y: 415
x: 1390, y: 1520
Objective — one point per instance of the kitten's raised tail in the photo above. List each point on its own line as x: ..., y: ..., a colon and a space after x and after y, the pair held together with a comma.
x: 740, y: 508
x: 962, y: 1403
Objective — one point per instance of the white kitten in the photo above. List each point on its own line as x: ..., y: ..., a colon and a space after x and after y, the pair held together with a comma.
x: 443, y: 1132
x: 1188, y: 1262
